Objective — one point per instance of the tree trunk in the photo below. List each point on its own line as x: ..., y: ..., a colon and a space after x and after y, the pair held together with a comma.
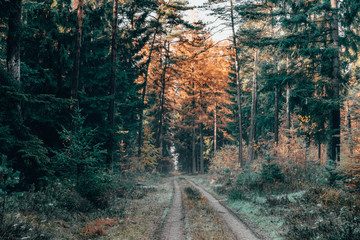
x: 111, y: 114
x: 349, y: 129
x: 333, y: 148
x: 193, y: 143
x: 144, y: 89
x: 276, y: 120
x: 201, y: 150
x: 161, y: 115
x: 215, y: 129
x: 13, y: 47
x: 193, y: 157
x: 288, y: 120
x: 160, y: 133
x: 75, y: 78
x: 238, y: 86
x: 276, y: 99
x: 251, y: 152
x: 76, y: 66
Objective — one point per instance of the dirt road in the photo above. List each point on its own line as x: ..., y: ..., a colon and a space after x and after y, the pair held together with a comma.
x: 174, y: 222
x: 174, y: 226
x: 239, y: 229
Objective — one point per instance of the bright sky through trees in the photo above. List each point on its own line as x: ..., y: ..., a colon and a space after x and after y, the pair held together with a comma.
x: 215, y: 25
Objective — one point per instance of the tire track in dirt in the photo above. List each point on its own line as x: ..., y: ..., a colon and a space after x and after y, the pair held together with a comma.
x: 239, y: 229
x: 173, y: 228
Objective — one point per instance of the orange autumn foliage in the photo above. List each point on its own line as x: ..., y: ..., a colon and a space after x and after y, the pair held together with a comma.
x: 202, y: 80
x: 96, y: 228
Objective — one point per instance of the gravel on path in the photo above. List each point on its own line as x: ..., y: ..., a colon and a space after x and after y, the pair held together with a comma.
x: 174, y: 222
x: 239, y: 229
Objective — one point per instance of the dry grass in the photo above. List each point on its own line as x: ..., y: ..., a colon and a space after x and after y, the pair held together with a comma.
x: 97, y: 227
x: 259, y: 218
x: 142, y: 216
x: 203, y: 222
x: 92, y: 231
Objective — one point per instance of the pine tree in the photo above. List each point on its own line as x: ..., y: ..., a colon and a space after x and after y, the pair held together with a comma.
x: 111, y: 114
x: 202, y: 71
x: 13, y: 46
x: 79, y: 7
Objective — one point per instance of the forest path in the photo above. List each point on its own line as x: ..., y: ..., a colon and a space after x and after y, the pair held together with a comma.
x: 239, y: 229
x: 174, y: 225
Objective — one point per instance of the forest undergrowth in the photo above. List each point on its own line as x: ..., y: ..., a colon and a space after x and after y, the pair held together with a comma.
x: 276, y: 212
x: 60, y: 212
x: 288, y: 193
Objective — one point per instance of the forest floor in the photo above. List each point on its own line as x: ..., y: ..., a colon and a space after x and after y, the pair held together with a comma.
x: 184, y: 207
x: 174, y: 225
x: 238, y: 228
x: 179, y: 209
x: 258, y: 219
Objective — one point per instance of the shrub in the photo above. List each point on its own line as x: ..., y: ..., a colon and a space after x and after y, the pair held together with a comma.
x: 243, y: 183
x: 8, y: 179
x: 248, y: 179
x: 237, y: 194
x: 72, y: 201
x: 277, y: 201
x: 55, y: 201
x: 271, y: 172
x: 225, y: 176
x: 324, y: 214
x: 95, y: 186
x: 192, y: 194
x: 225, y: 158
x: 316, y: 222
x: 16, y: 227
x: 82, y: 162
